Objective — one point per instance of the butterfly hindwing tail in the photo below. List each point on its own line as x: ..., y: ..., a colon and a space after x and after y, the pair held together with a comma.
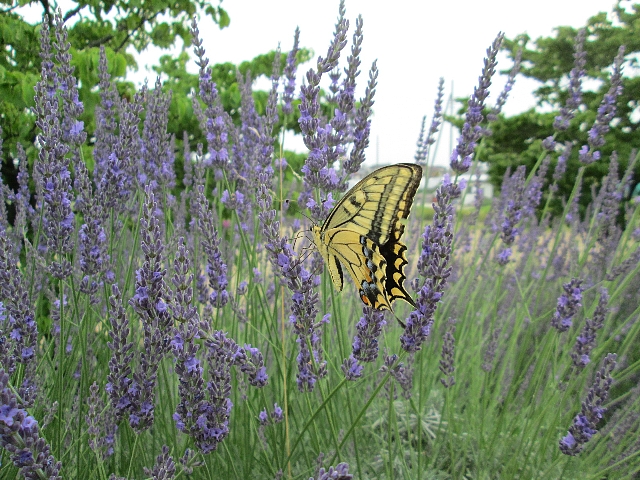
x: 394, y: 254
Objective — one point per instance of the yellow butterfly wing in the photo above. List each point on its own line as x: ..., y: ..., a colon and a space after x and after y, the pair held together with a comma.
x: 363, y: 232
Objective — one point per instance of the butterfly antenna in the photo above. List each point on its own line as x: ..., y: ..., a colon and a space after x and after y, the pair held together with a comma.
x: 307, y: 217
x: 297, y: 236
x: 307, y: 251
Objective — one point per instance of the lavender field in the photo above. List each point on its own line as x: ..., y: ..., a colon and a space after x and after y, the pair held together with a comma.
x: 164, y: 315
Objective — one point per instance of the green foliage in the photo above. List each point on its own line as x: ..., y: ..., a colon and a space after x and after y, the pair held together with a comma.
x: 138, y: 24
x: 116, y: 25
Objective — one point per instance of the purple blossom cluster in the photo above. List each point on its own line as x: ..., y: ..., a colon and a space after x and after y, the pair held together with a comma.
x: 20, y: 437
x: 207, y: 421
x: 587, y: 338
x: 304, y: 310
x: 205, y: 418
x: 165, y: 467
x: 424, y: 143
x: 399, y: 372
x: 448, y: 353
x: 362, y: 127
x: 462, y: 154
x: 585, y: 422
x: 52, y: 174
x: 535, y: 188
x: 365, y: 343
x: 119, y: 378
x: 290, y: 75
x: 514, y: 197
x: 606, y: 113
x: 131, y: 392
x: 608, y: 201
x: 324, y: 141
x: 118, y: 142
x: 568, y: 304
x: 574, y: 99
x: 216, y: 267
x: 156, y: 150
x: 561, y: 165
x: 276, y: 415
x: 369, y: 328
x: 213, y: 120
x: 73, y: 133
x: 508, y: 86
x: 433, y: 266
x: 340, y: 472
x: 18, y: 327
x: 21, y: 199
x: 302, y: 284
x: 252, y: 144
x: 100, y: 428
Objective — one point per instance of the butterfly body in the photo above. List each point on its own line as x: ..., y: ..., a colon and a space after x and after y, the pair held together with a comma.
x: 363, y: 234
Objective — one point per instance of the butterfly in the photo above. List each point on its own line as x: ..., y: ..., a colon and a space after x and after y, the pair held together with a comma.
x: 362, y: 234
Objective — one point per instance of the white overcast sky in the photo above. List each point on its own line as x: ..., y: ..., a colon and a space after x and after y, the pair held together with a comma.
x: 415, y: 43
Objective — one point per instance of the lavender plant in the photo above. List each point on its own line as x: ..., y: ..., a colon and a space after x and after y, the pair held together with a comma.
x: 142, y: 334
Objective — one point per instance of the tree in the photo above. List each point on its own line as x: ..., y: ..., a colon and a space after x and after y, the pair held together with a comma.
x: 116, y: 25
x: 123, y: 28
x: 518, y: 140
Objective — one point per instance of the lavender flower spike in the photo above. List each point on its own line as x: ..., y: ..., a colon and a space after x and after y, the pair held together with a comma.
x: 165, y: 467
x: 216, y: 268
x: 568, y: 305
x: 53, y: 178
x: 362, y: 123
x: 433, y: 266
x: 574, y: 100
x: 365, y: 343
x: 213, y: 122
x: 587, y: 338
x: 448, y: 353
x: 584, y: 424
x: 19, y: 435
x: 119, y: 378
x: 351, y: 368
x: 302, y: 283
x: 18, y: 327
x: 471, y: 131
x: 512, y: 213
x: 323, y: 141
x: 290, y: 75
x: 606, y: 113
x: 511, y: 79
x: 340, y: 472
x: 149, y: 302
x: 422, y: 154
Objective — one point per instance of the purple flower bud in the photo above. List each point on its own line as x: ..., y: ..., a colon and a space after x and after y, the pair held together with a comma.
x: 352, y: 369
x: 263, y: 416
x: 277, y: 415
